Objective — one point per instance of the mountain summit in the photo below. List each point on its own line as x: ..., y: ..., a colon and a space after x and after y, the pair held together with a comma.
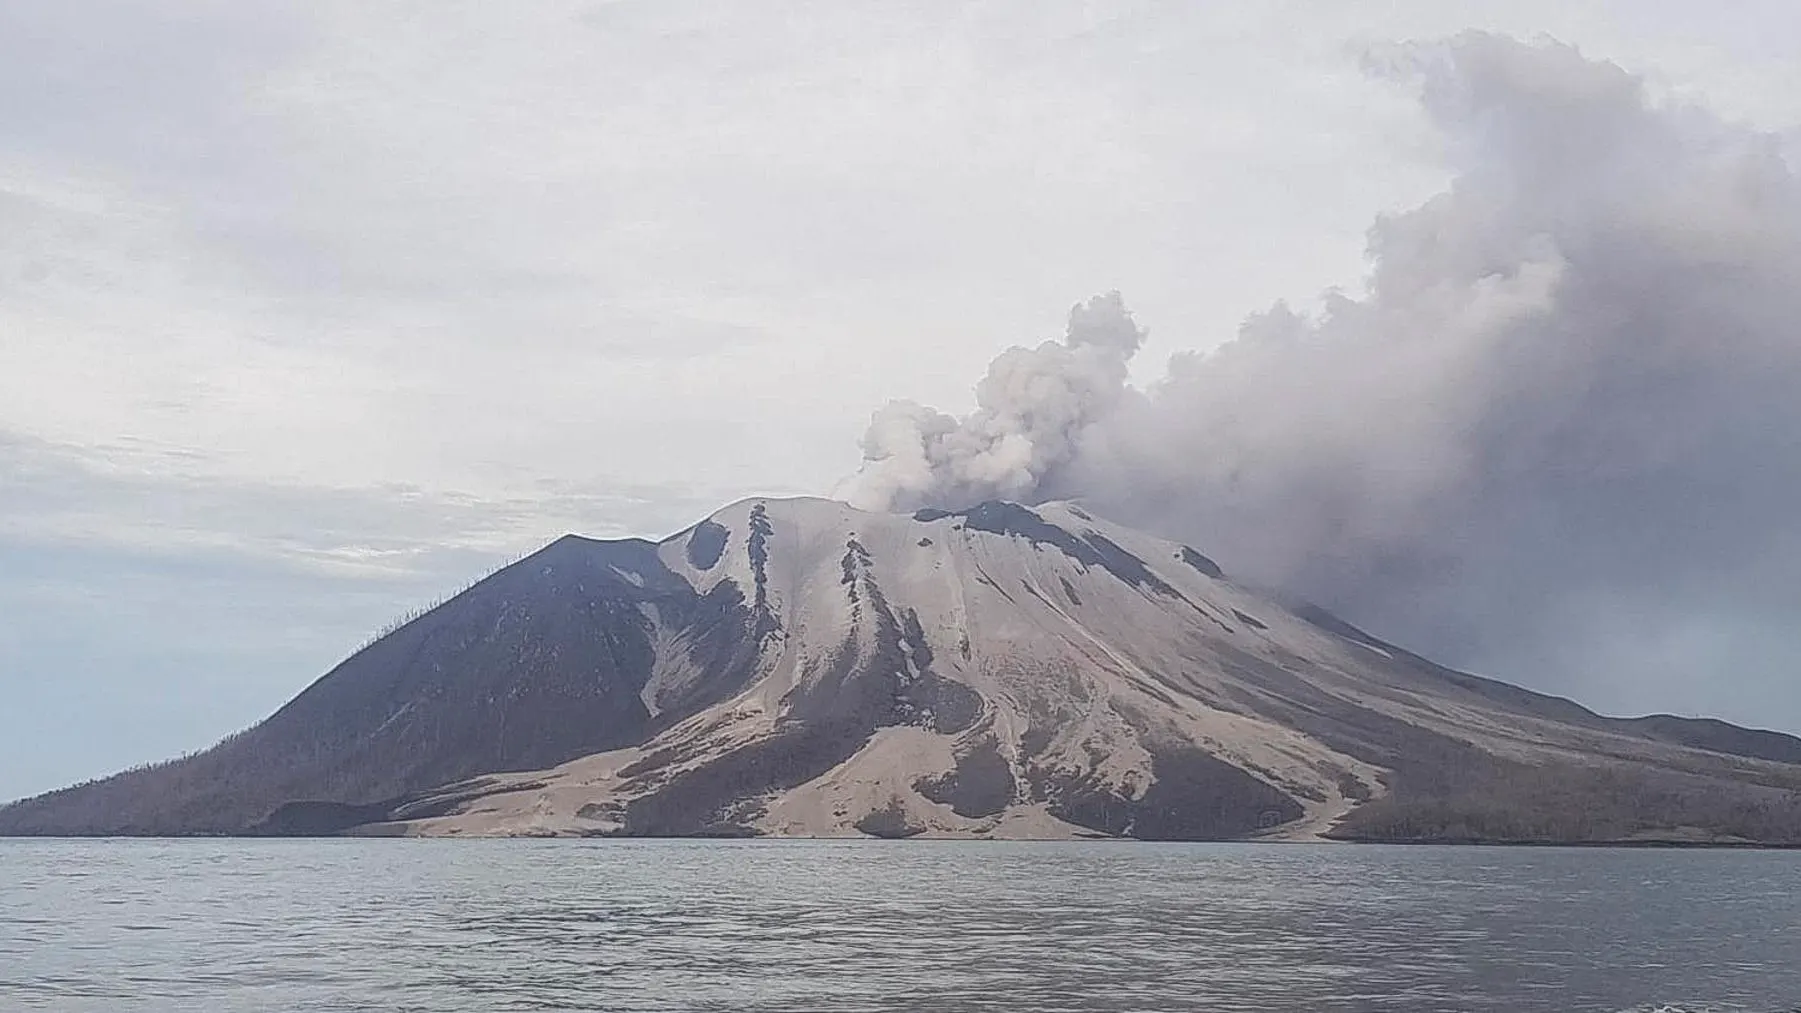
x: 796, y: 667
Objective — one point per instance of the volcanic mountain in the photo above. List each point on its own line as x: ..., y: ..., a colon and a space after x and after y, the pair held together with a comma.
x: 795, y: 667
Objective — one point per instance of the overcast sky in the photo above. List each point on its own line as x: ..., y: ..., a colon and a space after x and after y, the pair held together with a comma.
x: 309, y: 313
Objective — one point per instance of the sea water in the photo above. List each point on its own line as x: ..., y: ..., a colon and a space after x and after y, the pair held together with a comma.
x: 613, y: 925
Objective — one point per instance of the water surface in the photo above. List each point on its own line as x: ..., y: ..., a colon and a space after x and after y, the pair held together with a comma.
x: 226, y: 925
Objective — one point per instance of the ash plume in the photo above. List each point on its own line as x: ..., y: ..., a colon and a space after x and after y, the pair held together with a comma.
x: 1032, y: 407
x: 1559, y: 438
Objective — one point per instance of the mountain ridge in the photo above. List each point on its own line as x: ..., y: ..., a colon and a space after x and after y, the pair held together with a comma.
x: 797, y: 667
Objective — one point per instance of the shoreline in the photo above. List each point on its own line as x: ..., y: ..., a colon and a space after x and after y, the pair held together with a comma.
x: 1621, y: 845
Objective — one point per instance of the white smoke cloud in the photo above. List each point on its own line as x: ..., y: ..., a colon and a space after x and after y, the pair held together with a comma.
x: 1559, y: 438
x: 1031, y: 407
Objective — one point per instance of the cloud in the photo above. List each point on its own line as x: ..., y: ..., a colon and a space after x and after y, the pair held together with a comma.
x: 145, y: 501
x: 1558, y: 438
x: 152, y: 607
x: 292, y: 293
x: 1031, y: 408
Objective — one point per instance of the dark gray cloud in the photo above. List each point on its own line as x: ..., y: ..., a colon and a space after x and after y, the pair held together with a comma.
x: 1558, y: 439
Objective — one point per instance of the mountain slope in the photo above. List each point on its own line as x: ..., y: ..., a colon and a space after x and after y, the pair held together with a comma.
x: 799, y: 667
x: 541, y: 662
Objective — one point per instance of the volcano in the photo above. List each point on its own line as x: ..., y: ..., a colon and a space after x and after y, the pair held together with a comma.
x: 796, y: 667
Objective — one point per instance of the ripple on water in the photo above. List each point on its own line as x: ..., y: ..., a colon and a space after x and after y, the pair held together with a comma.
x: 867, y: 927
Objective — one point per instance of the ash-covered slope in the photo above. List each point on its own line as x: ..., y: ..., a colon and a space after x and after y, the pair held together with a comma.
x: 797, y: 667
x: 538, y: 663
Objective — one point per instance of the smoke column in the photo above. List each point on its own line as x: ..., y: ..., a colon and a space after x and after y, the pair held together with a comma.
x: 1558, y: 440
x: 1032, y: 408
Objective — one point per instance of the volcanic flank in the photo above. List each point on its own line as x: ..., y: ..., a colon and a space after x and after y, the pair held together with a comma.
x: 796, y: 667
